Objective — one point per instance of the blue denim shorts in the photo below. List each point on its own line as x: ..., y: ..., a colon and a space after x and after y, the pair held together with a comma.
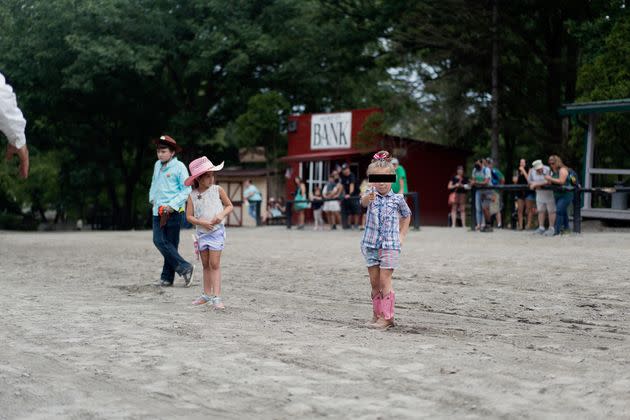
x: 385, y: 258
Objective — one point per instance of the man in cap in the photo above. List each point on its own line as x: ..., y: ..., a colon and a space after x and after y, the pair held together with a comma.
x: 545, y: 201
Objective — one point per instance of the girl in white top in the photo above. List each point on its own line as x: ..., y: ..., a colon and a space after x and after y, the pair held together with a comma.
x: 207, y: 207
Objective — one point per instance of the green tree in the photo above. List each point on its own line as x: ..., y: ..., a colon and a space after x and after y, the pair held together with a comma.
x: 263, y: 124
x: 605, y: 75
x: 99, y: 79
x: 449, y: 45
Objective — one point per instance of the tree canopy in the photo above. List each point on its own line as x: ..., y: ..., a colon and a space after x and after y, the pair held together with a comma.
x: 98, y: 80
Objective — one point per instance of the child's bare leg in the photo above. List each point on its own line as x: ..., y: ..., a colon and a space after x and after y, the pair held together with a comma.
x: 215, y: 271
x: 207, y: 284
x: 374, y: 273
x: 385, y: 280
x: 215, y: 275
x: 205, y: 262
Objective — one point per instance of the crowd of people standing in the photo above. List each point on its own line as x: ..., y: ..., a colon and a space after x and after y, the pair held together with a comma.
x: 337, y: 202
x: 549, y: 205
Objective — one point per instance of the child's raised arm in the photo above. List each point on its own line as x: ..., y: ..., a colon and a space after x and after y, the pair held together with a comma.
x: 367, y: 198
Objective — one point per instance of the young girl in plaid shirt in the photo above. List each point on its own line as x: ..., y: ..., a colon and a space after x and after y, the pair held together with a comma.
x: 386, y: 227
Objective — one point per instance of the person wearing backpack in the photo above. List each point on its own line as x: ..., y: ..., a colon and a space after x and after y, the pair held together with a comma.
x: 560, y: 176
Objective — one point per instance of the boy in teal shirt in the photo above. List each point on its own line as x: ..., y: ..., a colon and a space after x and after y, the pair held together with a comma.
x: 168, y: 196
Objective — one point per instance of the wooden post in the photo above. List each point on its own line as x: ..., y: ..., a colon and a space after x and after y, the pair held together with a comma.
x: 588, y: 160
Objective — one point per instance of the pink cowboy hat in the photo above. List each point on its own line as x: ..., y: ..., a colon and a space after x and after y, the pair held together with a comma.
x: 199, y: 167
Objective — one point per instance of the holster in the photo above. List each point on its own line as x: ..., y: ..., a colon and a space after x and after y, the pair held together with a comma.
x: 164, y: 215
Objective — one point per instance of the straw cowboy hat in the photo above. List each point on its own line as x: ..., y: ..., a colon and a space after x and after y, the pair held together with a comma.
x: 168, y: 141
x: 199, y: 167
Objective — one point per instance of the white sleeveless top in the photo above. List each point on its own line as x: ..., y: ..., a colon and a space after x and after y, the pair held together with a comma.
x: 207, y: 205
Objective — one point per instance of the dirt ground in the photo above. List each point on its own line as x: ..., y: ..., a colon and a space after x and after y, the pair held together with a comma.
x: 499, y: 325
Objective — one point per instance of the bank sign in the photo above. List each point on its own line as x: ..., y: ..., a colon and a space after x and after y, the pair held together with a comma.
x: 331, y: 131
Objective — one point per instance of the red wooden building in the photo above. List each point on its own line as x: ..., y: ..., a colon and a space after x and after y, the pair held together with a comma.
x: 320, y: 142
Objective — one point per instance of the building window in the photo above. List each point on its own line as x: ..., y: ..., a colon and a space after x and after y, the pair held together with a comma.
x: 314, y: 174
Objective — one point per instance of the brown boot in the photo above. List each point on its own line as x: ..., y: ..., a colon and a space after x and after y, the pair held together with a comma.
x: 384, y: 324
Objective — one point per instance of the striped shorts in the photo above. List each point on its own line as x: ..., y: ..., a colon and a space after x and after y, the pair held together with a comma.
x: 385, y: 258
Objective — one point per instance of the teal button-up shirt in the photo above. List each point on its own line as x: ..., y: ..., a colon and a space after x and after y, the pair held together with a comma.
x: 167, y: 185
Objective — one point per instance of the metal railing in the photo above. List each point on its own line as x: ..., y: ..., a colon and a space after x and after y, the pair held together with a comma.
x: 577, y: 197
x: 413, y: 195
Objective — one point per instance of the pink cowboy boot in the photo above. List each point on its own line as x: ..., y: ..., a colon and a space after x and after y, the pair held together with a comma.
x: 376, y: 308
x: 387, y: 310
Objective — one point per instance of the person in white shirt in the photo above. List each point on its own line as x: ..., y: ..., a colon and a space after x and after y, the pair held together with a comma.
x: 545, y: 201
x: 13, y: 124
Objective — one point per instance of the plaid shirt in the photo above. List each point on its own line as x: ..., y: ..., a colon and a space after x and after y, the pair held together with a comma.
x: 382, y: 230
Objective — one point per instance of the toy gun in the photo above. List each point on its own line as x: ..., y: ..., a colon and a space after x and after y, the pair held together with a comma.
x: 195, y: 245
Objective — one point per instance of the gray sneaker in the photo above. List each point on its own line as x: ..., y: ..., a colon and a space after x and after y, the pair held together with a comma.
x: 539, y: 231
x: 188, y: 276
x: 217, y: 302
x: 550, y: 232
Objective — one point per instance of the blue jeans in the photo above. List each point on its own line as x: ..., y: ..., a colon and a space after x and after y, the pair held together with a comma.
x: 166, y: 240
x: 479, y: 217
x: 562, y: 216
x: 251, y: 209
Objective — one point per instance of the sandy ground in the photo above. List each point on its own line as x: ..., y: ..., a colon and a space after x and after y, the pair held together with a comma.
x: 501, y: 325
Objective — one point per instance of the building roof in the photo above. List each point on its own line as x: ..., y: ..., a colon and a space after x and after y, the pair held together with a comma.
x: 240, y: 172
x: 327, y: 154
x: 345, y: 153
x: 615, y: 105
x: 428, y: 144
